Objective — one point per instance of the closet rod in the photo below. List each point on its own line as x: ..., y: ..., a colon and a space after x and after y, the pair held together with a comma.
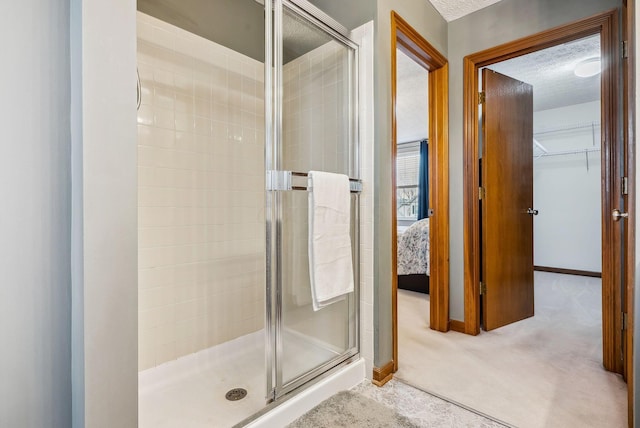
x: 568, y: 128
x: 569, y: 152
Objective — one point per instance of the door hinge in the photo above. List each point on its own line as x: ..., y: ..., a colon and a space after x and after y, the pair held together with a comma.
x: 278, y: 180
x: 625, y: 49
x: 625, y: 185
x: 483, y: 288
x: 624, y: 321
x: 481, y: 97
x: 481, y: 194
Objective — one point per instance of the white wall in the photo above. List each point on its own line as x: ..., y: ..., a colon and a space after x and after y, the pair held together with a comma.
x: 105, y: 295
x: 412, y: 99
x: 568, y: 230
x: 35, y: 284
x: 200, y: 193
x: 364, y: 35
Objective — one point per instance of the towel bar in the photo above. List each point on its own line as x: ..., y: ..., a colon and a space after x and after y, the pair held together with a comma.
x: 281, y: 181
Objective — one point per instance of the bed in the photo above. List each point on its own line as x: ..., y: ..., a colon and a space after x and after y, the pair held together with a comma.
x: 413, y: 257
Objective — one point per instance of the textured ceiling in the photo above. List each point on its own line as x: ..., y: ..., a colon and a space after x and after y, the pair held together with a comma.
x: 454, y: 9
x: 412, y: 102
x: 299, y: 37
x: 550, y: 72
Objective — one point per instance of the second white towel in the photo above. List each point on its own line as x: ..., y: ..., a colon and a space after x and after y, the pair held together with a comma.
x: 330, y: 257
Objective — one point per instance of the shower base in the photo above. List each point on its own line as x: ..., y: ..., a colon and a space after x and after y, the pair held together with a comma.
x: 190, y: 392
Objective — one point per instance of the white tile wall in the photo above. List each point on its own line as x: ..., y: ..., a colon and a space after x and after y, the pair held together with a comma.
x: 201, y: 164
x: 364, y: 34
x: 314, y: 140
x: 201, y: 193
x: 315, y: 137
x: 315, y: 101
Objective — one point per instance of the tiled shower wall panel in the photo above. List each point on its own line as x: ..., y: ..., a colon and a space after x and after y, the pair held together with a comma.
x: 314, y: 103
x: 314, y: 138
x: 201, y: 193
x: 364, y: 36
x: 310, y: 139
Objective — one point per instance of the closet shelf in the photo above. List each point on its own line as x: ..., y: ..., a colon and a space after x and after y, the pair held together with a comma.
x: 579, y: 126
x: 568, y: 152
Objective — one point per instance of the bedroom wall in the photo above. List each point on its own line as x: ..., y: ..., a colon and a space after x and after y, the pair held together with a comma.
x: 499, y: 23
x: 567, y: 232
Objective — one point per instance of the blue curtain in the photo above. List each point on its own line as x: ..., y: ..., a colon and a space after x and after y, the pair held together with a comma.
x: 423, y: 181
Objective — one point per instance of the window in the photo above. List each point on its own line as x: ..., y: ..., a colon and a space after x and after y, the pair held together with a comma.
x: 407, y: 172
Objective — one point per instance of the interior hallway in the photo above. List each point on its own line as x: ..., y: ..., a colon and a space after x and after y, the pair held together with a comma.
x: 545, y: 371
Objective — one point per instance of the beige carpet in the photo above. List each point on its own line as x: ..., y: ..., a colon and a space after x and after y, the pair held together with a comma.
x: 525, y: 374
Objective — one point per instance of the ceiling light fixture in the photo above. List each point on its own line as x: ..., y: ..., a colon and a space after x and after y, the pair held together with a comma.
x: 588, y: 67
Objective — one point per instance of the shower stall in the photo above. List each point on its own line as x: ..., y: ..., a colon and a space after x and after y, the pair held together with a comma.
x: 226, y: 136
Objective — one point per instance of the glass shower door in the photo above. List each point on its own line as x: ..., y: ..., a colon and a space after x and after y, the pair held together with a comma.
x: 314, y: 88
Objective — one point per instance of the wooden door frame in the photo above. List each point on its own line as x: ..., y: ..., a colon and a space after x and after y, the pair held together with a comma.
x: 605, y: 24
x: 409, y: 41
x: 629, y: 115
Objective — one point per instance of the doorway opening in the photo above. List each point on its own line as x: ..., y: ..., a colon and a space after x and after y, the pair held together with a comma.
x: 500, y: 372
x: 604, y: 25
x: 414, y: 50
x: 553, y: 173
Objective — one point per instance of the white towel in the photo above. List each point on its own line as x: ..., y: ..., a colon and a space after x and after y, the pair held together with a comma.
x: 330, y: 258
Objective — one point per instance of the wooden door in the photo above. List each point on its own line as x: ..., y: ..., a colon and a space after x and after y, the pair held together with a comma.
x: 507, y: 181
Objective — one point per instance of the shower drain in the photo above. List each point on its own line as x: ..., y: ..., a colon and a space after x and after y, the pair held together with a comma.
x: 236, y: 394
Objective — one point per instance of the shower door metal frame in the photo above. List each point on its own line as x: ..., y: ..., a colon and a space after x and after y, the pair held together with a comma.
x: 274, y: 11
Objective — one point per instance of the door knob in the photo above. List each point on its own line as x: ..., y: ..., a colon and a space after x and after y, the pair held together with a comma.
x: 617, y: 215
x: 531, y: 211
